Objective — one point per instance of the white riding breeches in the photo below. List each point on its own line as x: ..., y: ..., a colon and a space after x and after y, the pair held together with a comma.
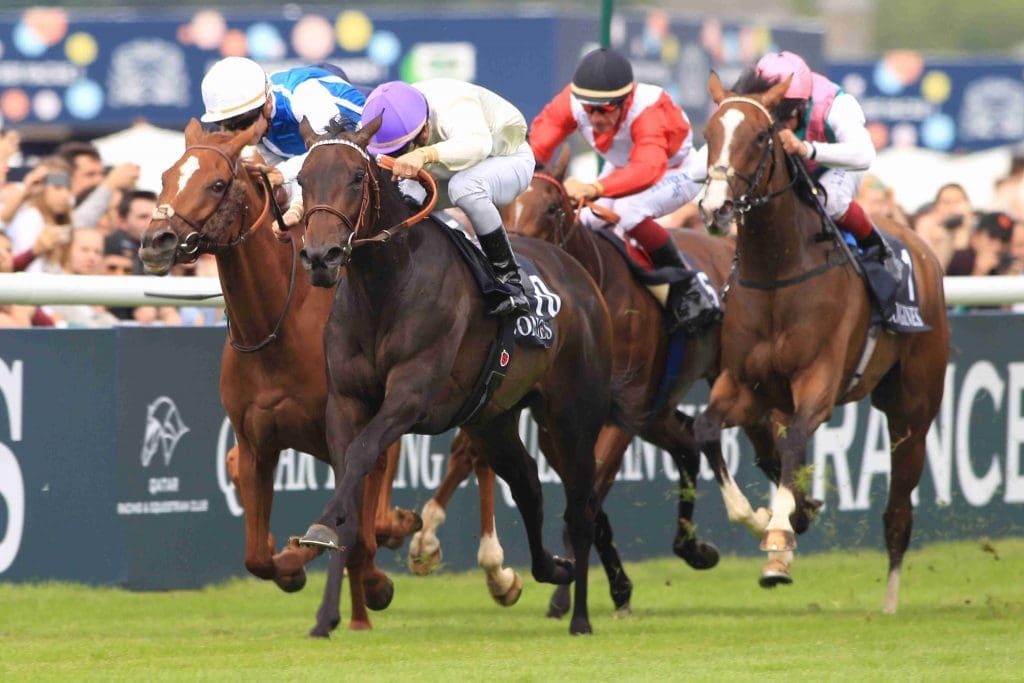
x: 675, y: 188
x: 494, y: 182
x: 841, y: 187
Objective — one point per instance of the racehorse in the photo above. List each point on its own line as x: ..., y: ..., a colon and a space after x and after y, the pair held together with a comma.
x: 406, y: 340
x: 795, y: 338
x: 273, y: 380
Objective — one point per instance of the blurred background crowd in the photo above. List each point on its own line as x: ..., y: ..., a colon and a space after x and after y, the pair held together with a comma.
x: 947, y: 82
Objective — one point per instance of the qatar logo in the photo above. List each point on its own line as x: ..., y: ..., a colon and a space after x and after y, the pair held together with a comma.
x: 164, y: 428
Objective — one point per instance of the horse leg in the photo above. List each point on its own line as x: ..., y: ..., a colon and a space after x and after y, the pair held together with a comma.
x: 729, y: 400
x: 767, y: 461
x: 499, y: 440
x: 425, y: 547
x: 393, y: 525
x: 328, y: 615
x: 231, y: 463
x: 377, y: 587
x: 503, y: 583
x: 674, y: 433
x: 813, y: 397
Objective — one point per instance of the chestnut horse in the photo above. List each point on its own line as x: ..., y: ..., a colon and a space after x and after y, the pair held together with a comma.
x: 798, y: 321
x: 407, y: 338
x: 273, y: 379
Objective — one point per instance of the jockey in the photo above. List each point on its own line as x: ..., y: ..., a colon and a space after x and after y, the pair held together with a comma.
x: 824, y: 124
x: 645, y: 140
x: 473, y: 138
x: 238, y: 93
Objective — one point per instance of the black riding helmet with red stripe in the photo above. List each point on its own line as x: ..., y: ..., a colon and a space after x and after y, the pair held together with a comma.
x: 603, y: 76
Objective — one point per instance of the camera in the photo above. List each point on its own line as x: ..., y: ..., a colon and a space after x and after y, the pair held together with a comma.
x: 953, y: 222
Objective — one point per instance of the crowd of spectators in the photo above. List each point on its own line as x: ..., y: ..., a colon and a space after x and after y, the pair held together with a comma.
x: 70, y: 214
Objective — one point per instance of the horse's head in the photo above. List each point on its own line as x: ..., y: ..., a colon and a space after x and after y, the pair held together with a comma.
x: 201, y: 204
x: 544, y: 210
x: 741, y: 138
x: 341, y: 193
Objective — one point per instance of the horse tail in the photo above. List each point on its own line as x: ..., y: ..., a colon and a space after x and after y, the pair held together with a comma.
x: 622, y: 412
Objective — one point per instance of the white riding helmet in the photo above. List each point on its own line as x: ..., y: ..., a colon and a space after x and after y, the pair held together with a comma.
x: 233, y: 86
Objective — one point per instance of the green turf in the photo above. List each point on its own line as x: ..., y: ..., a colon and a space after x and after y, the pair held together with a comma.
x: 961, y: 617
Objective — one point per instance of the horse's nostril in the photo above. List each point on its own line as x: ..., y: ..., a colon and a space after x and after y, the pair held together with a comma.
x: 307, y: 262
x: 165, y: 241
x: 333, y: 256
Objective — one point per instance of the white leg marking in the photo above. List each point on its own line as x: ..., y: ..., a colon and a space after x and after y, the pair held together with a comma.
x: 425, y: 542
x: 892, y: 592
x: 185, y: 172
x: 718, y: 189
x: 783, y: 506
x: 490, y: 556
x: 738, y: 508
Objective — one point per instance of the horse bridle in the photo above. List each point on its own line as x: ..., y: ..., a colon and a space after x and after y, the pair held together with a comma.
x: 370, y: 191
x: 747, y: 202
x: 569, y: 223
x: 198, y: 242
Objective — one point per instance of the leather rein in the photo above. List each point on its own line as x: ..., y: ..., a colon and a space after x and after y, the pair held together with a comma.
x: 371, y: 197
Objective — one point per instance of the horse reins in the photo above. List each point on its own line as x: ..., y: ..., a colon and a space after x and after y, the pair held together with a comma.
x: 571, y: 222
x: 371, y: 192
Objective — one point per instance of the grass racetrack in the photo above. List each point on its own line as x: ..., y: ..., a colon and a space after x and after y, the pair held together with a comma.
x: 961, y: 617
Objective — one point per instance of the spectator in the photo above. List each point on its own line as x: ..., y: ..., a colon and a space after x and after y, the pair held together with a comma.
x: 42, y: 200
x: 953, y: 207
x: 878, y: 199
x: 91, y: 190
x: 15, y: 315
x: 932, y: 230
x: 83, y: 258
x: 988, y: 251
x: 133, y: 214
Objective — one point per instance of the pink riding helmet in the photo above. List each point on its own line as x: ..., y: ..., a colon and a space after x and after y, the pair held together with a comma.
x: 404, y: 109
x: 777, y: 66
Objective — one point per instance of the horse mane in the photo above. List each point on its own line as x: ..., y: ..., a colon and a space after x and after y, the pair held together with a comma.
x: 750, y: 82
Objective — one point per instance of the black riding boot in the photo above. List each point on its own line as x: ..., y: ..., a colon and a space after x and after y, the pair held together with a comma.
x: 690, y: 306
x: 506, y: 272
x: 893, y: 265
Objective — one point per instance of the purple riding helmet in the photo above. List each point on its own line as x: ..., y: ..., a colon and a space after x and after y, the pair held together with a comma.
x: 405, y: 113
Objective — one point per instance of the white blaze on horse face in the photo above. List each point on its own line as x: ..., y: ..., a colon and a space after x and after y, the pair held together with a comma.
x: 186, y: 171
x: 718, y: 188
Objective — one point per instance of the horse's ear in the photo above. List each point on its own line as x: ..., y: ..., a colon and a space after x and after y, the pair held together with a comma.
x: 192, y: 132
x: 309, y: 136
x: 776, y: 93
x: 558, y: 172
x: 715, y: 88
x: 366, y: 133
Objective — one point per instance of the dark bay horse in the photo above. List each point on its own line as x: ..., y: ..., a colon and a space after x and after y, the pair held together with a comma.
x: 407, y: 338
x: 273, y: 379
x: 797, y: 326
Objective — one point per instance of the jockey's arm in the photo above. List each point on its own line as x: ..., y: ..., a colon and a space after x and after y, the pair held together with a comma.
x: 552, y: 126
x: 311, y: 100
x: 853, y: 149
x: 465, y: 136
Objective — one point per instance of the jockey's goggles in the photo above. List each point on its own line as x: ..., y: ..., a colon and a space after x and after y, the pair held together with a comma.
x: 608, y: 108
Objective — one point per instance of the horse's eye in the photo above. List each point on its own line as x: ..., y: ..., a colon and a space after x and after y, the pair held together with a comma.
x: 358, y: 177
x: 219, y: 186
x: 553, y: 209
x: 762, y: 137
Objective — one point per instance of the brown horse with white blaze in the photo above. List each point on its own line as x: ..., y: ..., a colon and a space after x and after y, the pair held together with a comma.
x: 796, y: 331
x: 273, y: 380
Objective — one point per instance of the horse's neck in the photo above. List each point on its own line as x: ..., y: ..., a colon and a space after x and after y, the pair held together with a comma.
x: 582, y: 245
x: 775, y: 240
x: 254, y: 277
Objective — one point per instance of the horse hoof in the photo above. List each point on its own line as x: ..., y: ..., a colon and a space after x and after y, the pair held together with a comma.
x: 623, y: 612
x: 390, y: 542
x: 559, y: 604
x: 564, y: 571
x: 775, y: 573
x: 320, y: 631
x: 697, y: 554
x: 291, y: 583
x: 580, y: 627
x: 360, y: 625
x: 776, y: 540
x: 422, y: 565
x: 511, y: 596
x: 380, y: 599
x: 622, y: 594
x: 320, y: 536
